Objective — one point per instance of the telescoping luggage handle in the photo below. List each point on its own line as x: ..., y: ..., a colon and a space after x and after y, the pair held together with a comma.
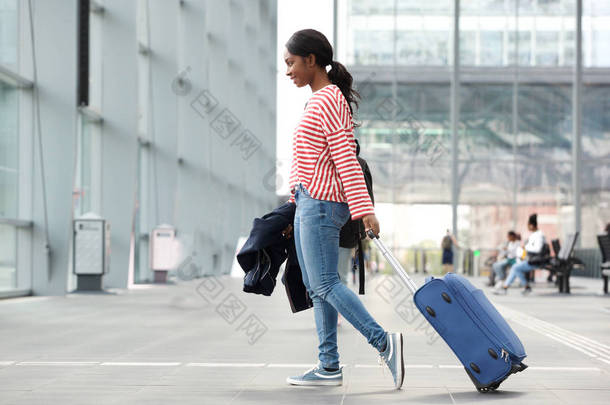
x: 395, y: 263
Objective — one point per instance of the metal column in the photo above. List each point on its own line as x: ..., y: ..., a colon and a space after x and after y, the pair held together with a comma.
x: 395, y: 124
x: 576, y: 121
x: 515, y: 112
x: 455, y: 115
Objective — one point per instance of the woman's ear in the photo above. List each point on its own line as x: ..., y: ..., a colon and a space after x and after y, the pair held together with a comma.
x: 310, y: 60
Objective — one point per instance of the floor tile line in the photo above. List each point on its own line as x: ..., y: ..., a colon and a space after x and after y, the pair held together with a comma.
x: 151, y: 364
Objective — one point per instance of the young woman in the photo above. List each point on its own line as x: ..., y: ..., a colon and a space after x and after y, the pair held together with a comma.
x: 327, y: 186
x: 506, y: 258
x: 535, y: 244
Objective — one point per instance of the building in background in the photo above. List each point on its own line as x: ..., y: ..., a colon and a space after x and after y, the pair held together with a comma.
x: 173, y: 122
x: 515, y: 98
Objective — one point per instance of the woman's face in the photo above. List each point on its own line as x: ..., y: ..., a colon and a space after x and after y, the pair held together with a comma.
x: 300, y: 69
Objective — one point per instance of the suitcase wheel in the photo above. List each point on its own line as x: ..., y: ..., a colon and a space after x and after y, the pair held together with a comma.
x: 482, y: 388
x: 491, y: 388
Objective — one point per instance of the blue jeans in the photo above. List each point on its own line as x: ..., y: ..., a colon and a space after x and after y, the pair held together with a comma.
x: 518, y: 270
x: 316, y: 235
x: 500, y: 265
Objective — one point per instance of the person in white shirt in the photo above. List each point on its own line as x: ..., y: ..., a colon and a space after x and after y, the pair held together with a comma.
x: 534, y: 246
x: 506, y: 257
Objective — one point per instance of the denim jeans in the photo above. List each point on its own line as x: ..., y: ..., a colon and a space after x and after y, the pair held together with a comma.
x: 316, y: 234
x: 518, y: 270
x: 498, y: 268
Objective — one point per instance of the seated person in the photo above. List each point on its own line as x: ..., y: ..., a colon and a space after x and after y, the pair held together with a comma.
x: 534, y: 246
x: 506, y: 257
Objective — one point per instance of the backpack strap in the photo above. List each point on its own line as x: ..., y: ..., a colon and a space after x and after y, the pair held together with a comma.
x: 360, y: 267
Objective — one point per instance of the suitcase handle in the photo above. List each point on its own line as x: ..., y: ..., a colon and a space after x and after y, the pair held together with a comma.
x: 393, y: 262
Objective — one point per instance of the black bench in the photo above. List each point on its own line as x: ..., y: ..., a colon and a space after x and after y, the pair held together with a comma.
x: 604, y: 247
x: 556, y: 245
x: 563, y: 263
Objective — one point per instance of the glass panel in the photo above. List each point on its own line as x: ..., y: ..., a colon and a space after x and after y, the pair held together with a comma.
x: 406, y: 141
x: 595, y: 201
x: 423, y: 47
x: 545, y: 188
x: 8, y: 257
x: 486, y: 201
x: 551, y: 7
x: 547, y: 48
x: 491, y: 48
x: 524, y: 48
x: 545, y: 121
x: 486, y: 121
x: 438, y: 7
x: 371, y: 7
x: 423, y: 36
x: 596, y: 121
x: 8, y: 33
x: 596, y: 33
x: 373, y: 47
x: 467, y: 48
x: 568, y: 48
x: 9, y: 151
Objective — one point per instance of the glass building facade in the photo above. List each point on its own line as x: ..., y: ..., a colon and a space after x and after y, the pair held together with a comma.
x: 174, y: 130
x: 513, y: 154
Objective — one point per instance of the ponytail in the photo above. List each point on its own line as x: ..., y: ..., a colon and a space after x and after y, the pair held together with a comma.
x: 339, y: 76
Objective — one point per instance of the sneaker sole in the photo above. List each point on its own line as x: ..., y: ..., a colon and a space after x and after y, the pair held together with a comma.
x: 402, y: 365
x: 311, y: 383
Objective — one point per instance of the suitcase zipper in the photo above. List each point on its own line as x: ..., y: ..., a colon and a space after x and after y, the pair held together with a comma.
x: 504, y: 353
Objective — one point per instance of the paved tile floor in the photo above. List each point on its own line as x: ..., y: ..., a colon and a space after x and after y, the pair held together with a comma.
x: 206, y: 342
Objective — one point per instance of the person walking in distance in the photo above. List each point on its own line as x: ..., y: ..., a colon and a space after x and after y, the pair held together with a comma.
x: 328, y: 187
x: 447, y: 246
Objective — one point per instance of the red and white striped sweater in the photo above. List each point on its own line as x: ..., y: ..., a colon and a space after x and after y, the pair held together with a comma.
x: 324, y: 153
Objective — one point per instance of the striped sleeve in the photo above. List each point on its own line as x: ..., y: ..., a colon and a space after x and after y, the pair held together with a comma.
x: 335, y: 118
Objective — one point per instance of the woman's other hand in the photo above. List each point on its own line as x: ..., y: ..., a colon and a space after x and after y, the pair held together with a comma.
x: 370, y: 222
x: 287, y: 233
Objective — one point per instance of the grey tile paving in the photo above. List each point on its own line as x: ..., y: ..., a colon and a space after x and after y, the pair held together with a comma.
x: 178, y: 324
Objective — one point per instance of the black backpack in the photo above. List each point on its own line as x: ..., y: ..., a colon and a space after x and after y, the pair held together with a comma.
x: 353, y: 232
x: 541, y: 258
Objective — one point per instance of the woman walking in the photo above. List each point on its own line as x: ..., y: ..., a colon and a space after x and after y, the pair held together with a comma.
x: 327, y: 185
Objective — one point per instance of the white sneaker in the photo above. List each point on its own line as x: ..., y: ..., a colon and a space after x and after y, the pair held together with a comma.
x: 317, y: 376
x: 393, y: 357
x: 500, y: 291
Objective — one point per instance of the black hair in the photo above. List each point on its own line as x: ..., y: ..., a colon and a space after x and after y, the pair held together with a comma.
x: 533, y: 220
x: 512, y: 233
x: 608, y: 228
x: 309, y: 41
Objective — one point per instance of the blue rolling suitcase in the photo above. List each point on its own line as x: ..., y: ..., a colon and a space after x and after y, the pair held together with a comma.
x: 461, y: 314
